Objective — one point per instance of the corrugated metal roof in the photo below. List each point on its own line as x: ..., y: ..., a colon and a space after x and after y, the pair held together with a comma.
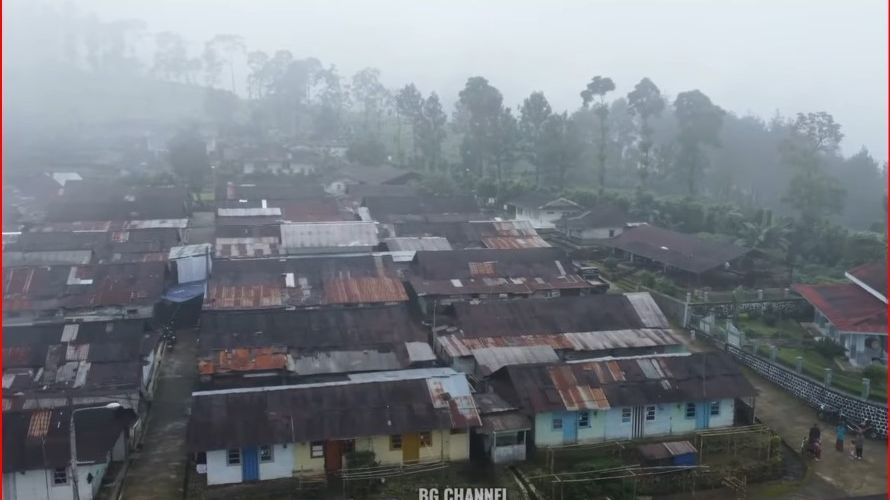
x: 661, y: 451
x: 266, y: 246
x: 329, y: 234
x: 244, y: 360
x: 505, y: 422
x: 491, y: 359
x: 249, y: 212
x: 647, y: 310
x: 415, y: 243
x: 156, y: 224
x: 189, y: 251
x: 634, y: 381
x: 329, y: 362
x: 510, y: 242
x: 419, y: 352
x: 47, y: 258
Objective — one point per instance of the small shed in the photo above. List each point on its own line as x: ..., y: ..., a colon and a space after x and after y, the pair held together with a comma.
x: 668, y: 453
x: 192, y: 262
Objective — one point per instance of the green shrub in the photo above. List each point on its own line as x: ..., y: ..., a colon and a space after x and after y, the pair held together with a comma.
x: 610, y: 264
x: 876, y: 373
x: 829, y: 349
x: 647, y: 279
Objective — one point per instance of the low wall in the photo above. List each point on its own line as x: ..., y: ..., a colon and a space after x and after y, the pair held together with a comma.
x: 793, y: 307
x: 813, y: 392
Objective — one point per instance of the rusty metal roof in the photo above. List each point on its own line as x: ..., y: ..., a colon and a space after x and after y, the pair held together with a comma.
x: 492, y: 359
x: 232, y: 248
x: 372, y: 405
x: 305, y: 282
x: 489, y: 271
x: 661, y: 451
x: 244, y: 360
x: 634, y: 381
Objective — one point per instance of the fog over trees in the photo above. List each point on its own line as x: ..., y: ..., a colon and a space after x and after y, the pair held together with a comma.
x: 628, y: 139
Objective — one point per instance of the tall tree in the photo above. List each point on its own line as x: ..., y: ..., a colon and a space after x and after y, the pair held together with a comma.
x: 409, y: 104
x: 479, y: 108
x: 596, y: 92
x: 534, y: 112
x: 231, y: 46
x: 258, y: 66
x: 372, y: 96
x: 644, y: 102
x: 332, y: 98
x: 699, y: 122
x: 815, y: 195
x: 560, y: 147
x: 171, y: 57
x: 212, y: 63
x: 431, y: 132
x: 505, y: 143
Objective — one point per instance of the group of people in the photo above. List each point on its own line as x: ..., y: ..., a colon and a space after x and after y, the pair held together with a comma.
x: 815, y: 438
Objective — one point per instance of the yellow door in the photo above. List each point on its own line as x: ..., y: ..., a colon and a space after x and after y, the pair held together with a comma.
x: 410, y: 447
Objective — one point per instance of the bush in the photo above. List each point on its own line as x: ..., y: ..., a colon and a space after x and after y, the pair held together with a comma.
x: 647, y: 279
x: 770, y: 319
x: 829, y: 349
x: 611, y: 264
x: 876, y: 373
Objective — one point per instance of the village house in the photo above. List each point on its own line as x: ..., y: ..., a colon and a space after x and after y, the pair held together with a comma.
x: 500, y: 234
x: 344, y: 178
x: 505, y: 430
x: 543, y: 211
x: 482, y: 338
x: 37, y: 451
x: 303, y: 209
x: 54, y: 365
x: 33, y: 294
x: 600, y: 222
x: 625, y: 398
x: 99, y: 201
x: 313, y: 238
x: 441, y: 278
x: 684, y: 256
x: 308, y: 282
x: 401, y: 417
x: 319, y: 344
x: 270, y: 191
x: 853, y: 314
x: 391, y: 210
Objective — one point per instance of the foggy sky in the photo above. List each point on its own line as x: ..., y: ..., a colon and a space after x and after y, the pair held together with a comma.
x: 753, y: 56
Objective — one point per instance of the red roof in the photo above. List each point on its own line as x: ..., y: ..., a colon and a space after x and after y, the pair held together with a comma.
x: 847, y: 306
x: 873, y: 275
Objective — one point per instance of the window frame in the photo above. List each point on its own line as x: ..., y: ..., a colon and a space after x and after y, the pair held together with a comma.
x: 270, y: 449
x: 229, y: 455
x: 395, y: 442
x: 715, y: 405
x: 584, y: 420
x: 63, y: 473
x: 556, y: 424
x: 693, y: 407
x: 426, y: 439
x: 627, y: 415
x: 312, y: 446
x: 653, y: 409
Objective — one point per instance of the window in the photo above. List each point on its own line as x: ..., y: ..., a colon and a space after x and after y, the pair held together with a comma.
x: 426, y: 439
x: 395, y: 442
x: 584, y: 419
x: 233, y: 456
x: 557, y: 424
x: 650, y: 413
x: 347, y: 446
x: 316, y: 449
x: 715, y: 408
x: 510, y: 439
x: 266, y: 454
x: 690, y: 410
x: 60, y: 476
x: 625, y: 415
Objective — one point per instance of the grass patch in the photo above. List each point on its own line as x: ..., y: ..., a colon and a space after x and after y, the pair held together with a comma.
x: 814, y: 364
x: 788, y: 329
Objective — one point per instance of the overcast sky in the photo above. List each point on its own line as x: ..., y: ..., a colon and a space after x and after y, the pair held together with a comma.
x: 752, y: 56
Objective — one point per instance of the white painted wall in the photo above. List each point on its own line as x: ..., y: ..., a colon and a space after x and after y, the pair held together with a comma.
x: 539, y: 218
x: 282, y: 464
x: 38, y: 484
x: 219, y: 471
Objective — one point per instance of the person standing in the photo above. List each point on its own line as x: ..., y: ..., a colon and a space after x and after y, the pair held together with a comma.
x: 859, y: 442
x: 841, y: 432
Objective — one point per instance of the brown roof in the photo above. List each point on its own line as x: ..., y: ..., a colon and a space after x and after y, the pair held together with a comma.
x: 72, y: 287
x: 516, y: 271
x: 244, y: 360
x: 682, y: 251
x: 306, y: 282
x: 603, y: 384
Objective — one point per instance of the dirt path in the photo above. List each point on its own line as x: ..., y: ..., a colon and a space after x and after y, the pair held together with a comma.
x: 158, y: 470
x: 791, y: 418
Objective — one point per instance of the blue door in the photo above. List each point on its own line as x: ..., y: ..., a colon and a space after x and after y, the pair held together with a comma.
x: 569, y: 427
x: 250, y: 464
x: 702, y: 415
